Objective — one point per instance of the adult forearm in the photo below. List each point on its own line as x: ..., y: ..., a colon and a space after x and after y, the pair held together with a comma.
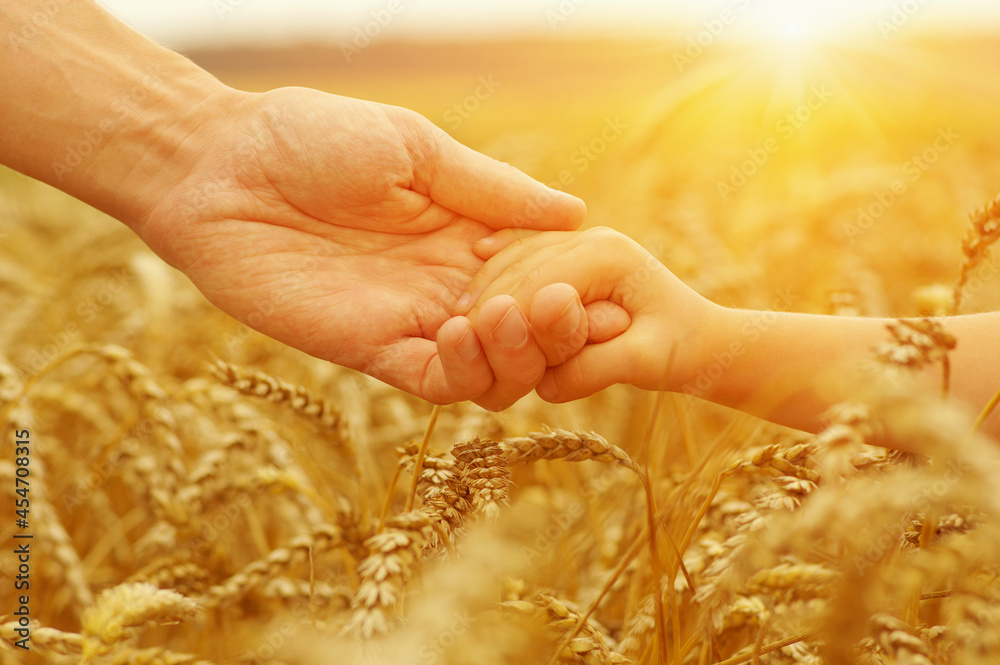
x: 789, y: 368
x: 95, y: 109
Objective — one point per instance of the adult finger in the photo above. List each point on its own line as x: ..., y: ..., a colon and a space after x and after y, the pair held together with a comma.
x: 491, y: 192
x: 517, y: 362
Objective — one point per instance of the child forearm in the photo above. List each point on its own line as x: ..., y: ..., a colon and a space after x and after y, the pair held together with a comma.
x: 789, y: 368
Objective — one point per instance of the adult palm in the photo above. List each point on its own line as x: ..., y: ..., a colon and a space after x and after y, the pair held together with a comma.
x: 342, y: 227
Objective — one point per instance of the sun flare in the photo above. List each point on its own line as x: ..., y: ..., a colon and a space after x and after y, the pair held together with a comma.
x: 803, y: 26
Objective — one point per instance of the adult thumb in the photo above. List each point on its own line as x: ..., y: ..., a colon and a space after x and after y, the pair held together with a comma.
x: 494, y: 193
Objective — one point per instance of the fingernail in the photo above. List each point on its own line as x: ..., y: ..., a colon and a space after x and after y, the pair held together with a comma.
x: 567, y: 322
x: 511, y: 331
x: 468, y: 346
x: 464, y: 301
x: 487, y: 241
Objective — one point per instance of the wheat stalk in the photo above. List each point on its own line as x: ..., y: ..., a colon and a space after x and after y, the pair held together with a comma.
x: 418, y: 461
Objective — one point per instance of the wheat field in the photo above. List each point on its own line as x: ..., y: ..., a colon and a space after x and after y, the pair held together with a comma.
x: 203, y: 494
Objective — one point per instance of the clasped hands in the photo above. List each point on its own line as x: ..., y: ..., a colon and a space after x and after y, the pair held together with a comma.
x: 350, y: 230
x: 498, y: 349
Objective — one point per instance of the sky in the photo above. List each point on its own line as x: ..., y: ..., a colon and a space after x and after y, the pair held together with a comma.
x: 181, y: 23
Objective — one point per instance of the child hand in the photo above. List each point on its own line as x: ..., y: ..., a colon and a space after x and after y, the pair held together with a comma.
x: 502, y: 355
x: 666, y: 339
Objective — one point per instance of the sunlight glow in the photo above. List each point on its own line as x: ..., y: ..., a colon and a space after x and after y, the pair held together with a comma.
x: 794, y: 43
x: 793, y: 30
x: 786, y: 23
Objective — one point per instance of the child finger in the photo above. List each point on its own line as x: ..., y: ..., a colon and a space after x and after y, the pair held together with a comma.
x: 559, y: 322
x: 605, y: 321
x: 601, y: 270
x: 514, y: 356
x: 488, y: 247
x: 517, y: 258
x: 414, y: 365
x: 463, y: 361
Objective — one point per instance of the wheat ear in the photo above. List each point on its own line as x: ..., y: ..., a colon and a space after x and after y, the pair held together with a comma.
x: 106, y: 623
x: 45, y: 641
x: 302, y: 401
x: 900, y: 641
x: 562, y: 444
x: 483, y: 468
x: 984, y: 232
x: 385, y: 573
x: 588, y: 645
x: 276, y: 562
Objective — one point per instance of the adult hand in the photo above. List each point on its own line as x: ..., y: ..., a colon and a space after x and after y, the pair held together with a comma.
x: 345, y: 229
x: 340, y: 227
